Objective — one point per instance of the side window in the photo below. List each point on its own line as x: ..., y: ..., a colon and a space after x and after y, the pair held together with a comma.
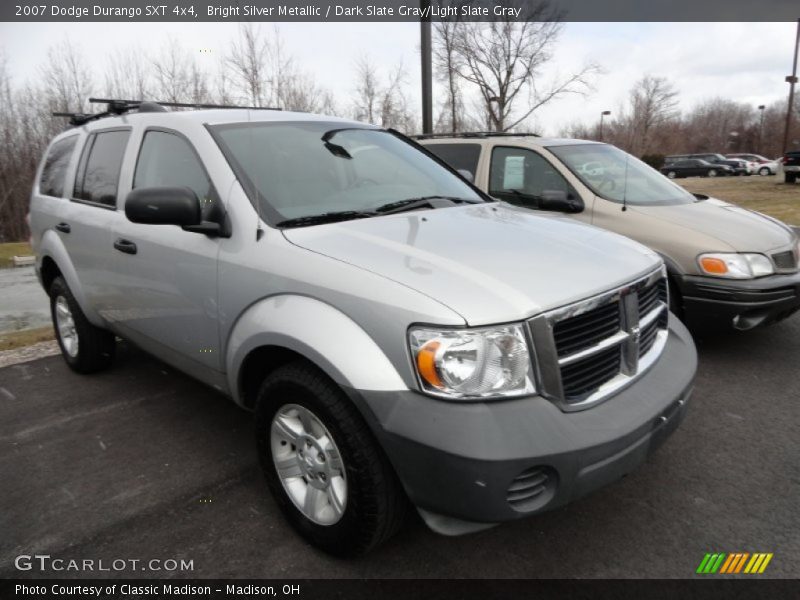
x: 458, y: 156
x: 167, y: 160
x: 54, y: 172
x: 98, y: 173
x: 520, y: 176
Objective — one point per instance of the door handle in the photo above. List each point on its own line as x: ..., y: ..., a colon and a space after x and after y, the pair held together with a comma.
x: 126, y: 246
x: 64, y: 227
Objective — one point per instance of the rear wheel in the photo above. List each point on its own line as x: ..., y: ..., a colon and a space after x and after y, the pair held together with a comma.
x: 86, y: 348
x: 323, y: 466
x: 712, y: 172
x: 764, y: 171
x: 672, y: 174
x: 789, y: 177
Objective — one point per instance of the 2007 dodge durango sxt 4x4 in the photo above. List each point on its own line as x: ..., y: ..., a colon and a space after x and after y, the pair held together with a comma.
x: 398, y: 334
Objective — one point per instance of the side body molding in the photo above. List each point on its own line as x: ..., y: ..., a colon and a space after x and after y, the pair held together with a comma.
x: 51, y: 246
x: 321, y: 333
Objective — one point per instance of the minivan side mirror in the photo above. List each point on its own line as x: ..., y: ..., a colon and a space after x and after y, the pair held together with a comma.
x: 560, y: 201
x: 466, y: 174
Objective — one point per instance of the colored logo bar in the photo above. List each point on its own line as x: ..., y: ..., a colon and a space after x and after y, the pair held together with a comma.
x: 735, y: 562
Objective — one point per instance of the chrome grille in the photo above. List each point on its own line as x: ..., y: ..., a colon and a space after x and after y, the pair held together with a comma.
x: 589, y: 350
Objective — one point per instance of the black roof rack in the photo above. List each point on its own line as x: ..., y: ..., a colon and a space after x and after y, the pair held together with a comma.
x: 472, y: 134
x: 116, y: 106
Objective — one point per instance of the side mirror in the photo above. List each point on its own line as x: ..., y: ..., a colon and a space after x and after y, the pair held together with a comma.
x: 163, y: 206
x: 560, y: 201
x: 467, y: 175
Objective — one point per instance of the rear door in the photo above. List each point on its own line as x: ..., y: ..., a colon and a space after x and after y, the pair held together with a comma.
x: 167, y: 277
x: 93, y: 213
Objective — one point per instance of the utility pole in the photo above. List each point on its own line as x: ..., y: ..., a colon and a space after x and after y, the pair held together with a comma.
x: 427, y: 69
x: 761, y: 108
x: 791, y: 80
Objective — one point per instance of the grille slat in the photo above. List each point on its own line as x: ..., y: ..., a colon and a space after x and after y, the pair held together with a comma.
x: 528, y: 489
x: 581, y: 378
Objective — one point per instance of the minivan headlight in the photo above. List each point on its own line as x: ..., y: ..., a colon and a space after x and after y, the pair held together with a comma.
x: 735, y: 266
x: 472, y: 363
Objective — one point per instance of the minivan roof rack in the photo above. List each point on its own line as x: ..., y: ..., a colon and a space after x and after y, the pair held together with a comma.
x: 116, y: 106
x: 472, y: 134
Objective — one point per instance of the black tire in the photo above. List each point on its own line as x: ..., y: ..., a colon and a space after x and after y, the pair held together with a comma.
x: 672, y: 174
x: 789, y: 177
x: 712, y: 172
x: 376, y: 505
x: 95, y: 347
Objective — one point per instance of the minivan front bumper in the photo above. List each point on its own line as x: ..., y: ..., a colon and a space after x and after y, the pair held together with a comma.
x: 741, y: 304
x: 467, y: 464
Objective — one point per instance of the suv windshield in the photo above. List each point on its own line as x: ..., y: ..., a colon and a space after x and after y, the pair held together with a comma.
x: 617, y: 176
x: 305, y: 169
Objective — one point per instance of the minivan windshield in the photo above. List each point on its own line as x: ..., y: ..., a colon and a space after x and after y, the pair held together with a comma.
x: 300, y: 170
x: 617, y: 176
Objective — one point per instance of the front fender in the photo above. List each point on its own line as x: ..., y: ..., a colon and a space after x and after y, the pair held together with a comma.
x: 317, y: 331
x: 51, y: 246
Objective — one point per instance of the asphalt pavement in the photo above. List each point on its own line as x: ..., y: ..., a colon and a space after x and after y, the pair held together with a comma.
x: 142, y: 462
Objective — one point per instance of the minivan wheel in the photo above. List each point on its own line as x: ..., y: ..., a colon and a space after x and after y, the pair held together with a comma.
x: 85, y: 348
x: 322, y: 464
x: 672, y: 174
x: 712, y: 173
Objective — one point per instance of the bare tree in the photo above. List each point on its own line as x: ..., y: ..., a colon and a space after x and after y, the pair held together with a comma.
x: 67, y: 77
x: 445, y: 60
x: 504, y: 60
x: 128, y: 74
x: 653, y: 102
x: 383, y: 103
x: 172, y: 70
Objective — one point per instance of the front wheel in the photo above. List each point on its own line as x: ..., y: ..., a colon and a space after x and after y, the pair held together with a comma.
x: 86, y: 348
x: 712, y: 173
x: 322, y: 464
x: 764, y: 171
x: 672, y: 174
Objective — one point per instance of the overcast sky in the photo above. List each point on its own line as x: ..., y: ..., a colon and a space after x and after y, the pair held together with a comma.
x: 746, y: 62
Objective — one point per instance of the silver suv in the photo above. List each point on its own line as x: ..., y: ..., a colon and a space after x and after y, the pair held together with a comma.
x: 402, y: 338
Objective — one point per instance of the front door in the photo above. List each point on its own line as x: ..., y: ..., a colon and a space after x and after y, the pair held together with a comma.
x: 167, y: 277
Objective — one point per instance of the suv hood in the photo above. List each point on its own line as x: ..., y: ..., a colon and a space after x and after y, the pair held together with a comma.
x: 742, y: 229
x: 491, y: 263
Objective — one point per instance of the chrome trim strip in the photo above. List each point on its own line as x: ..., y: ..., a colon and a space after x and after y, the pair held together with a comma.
x: 587, y: 352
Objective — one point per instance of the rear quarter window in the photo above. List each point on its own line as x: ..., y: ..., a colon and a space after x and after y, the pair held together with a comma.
x: 458, y: 156
x: 54, y: 171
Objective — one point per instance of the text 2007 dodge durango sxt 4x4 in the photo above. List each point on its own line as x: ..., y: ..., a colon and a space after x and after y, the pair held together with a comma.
x: 399, y: 335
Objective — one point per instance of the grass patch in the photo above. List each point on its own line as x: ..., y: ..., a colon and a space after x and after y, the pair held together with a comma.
x: 769, y: 195
x: 13, y: 249
x: 12, y: 340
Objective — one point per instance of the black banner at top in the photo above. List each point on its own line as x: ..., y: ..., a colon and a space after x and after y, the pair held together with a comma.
x: 398, y: 10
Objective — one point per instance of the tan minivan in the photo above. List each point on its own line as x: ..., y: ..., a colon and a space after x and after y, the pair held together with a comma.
x: 728, y: 266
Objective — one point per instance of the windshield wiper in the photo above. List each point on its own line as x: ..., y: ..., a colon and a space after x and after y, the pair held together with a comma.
x: 421, y: 202
x: 328, y: 217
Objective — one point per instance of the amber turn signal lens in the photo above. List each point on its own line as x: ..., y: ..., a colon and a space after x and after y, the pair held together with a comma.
x: 714, y: 266
x: 426, y: 363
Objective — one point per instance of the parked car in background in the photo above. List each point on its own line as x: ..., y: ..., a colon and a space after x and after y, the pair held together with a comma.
x: 711, y: 157
x: 757, y: 158
x: 695, y: 167
x: 728, y: 267
x: 791, y: 166
x: 739, y: 166
x: 402, y: 338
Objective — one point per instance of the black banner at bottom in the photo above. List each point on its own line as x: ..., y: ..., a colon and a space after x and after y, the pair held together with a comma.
x: 410, y: 589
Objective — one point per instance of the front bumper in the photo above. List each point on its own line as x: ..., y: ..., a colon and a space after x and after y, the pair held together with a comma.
x: 457, y: 461
x: 741, y: 304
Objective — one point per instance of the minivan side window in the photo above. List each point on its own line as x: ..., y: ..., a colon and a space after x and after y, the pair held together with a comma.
x: 458, y: 156
x: 519, y: 176
x: 98, y: 173
x: 168, y: 160
x: 54, y: 172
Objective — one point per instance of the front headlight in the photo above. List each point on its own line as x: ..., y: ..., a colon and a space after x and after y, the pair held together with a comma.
x: 735, y: 266
x: 472, y: 363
